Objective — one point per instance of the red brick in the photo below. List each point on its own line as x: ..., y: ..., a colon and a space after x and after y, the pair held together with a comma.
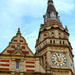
x: 26, y: 52
x: 4, y: 64
x: 59, y: 37
x: 21, y: 40
x: 30, y: 62
x: 44, y: 38
x: 4, y: 69
x: 23, y: 47
x: 15, y: 40
x: 10, y: 51
x: 46, y: 62
x: 4, y: 60
x: 45, y: 57
x: 53, y: 37
x: 30, y: 66
x: 30, y: 70
x: 12, y: 46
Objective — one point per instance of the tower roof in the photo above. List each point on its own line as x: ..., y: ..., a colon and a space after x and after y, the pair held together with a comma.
x: 51, y: 13
x: 51, y: 7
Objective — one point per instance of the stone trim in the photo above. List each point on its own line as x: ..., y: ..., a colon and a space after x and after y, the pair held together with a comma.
x: 52, y: 38
x: 11, y: 72
x: 20, y: 56
x: 56, y: 45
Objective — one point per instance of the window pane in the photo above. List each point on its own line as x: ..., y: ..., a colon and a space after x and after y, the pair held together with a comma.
x: 17, y: 64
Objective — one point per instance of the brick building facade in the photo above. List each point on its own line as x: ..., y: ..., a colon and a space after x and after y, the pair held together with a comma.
x: 53, y: 50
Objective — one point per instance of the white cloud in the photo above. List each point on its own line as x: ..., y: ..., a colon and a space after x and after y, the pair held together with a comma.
x: 37, y: 8
x: 25, y: 7
x: 65, y: 6
x: 34, y: 8
x: 31, y: 40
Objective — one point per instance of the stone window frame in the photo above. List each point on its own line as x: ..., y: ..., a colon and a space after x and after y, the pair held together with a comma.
x: 16, y: 65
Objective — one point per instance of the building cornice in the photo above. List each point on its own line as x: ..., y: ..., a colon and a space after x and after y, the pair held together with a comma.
x: 58, y: 28
x: 19, y: 56
x: 49, y: 45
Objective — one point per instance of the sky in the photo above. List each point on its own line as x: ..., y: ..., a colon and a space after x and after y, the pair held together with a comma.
x: 28, y: 15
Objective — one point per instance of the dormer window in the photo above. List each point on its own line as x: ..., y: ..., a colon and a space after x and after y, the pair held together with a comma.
x: 52, y: 33
x: 44, y: 34
x: 59, y: 33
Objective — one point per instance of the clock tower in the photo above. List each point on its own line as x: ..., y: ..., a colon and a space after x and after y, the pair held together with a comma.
x: 53, y: 45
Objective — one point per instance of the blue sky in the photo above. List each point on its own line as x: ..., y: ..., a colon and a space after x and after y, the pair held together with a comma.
x: 28, y: 15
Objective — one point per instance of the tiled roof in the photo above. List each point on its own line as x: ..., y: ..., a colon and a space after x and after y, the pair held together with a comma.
x: 53, y: 22
x: 51, y: 8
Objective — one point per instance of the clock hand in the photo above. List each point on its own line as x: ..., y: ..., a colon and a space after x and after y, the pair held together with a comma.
x: 58, y: 58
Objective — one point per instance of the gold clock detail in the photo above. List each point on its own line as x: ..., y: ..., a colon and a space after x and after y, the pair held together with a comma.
x: 59, y: 59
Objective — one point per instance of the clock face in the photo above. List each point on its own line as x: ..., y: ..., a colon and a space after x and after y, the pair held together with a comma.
x: 59, y: 59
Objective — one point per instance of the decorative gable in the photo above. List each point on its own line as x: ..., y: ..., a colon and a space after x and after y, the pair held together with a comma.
x: 18, y: 46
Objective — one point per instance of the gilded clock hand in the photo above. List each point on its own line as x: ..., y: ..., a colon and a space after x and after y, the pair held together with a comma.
x: 58, y: 58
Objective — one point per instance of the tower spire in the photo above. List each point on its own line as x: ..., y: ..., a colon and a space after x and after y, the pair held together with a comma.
x: 50, y: 1
x: 51, y: 13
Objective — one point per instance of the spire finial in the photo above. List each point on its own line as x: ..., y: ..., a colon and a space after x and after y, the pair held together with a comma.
x: 18, y: 32
x: 50, y: 1
x: 66, y: 28
x: 18, y: 29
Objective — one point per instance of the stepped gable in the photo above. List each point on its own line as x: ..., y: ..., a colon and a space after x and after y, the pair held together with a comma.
x: 18, y: 46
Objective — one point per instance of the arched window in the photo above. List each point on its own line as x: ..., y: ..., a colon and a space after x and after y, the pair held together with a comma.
x: 53, y: 35
x: 60, y: 42
x: 51, y: 41
x: 44, y: 34
x: 63, y: 42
